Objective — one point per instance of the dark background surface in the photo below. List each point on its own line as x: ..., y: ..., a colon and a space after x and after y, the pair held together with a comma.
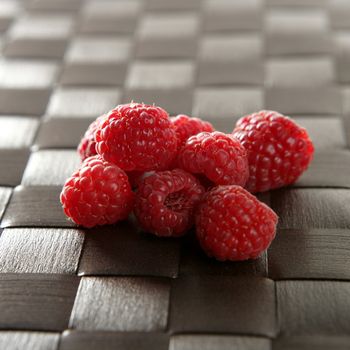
x: 65, y: 62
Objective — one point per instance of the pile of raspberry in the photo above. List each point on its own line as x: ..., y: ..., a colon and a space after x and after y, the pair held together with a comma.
x: 173, y: 173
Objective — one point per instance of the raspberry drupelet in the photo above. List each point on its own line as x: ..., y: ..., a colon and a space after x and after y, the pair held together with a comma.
x: 98, y: 193
x: 165, y: 202
x: 186, y: 127
x: 217, y: 156
x: 279, y: 150
x: 87, y: 145
x: 232, y: 224
x: 137, y: 137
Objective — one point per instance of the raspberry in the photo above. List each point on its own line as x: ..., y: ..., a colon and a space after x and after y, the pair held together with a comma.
x: 87, y: 145
x: 217, y: 156
x: 137, y: 137
x: 98, y: 193
x: 165, y: 202
x: 231, y: 224
x: 279, y: 150
x: 186, y: 127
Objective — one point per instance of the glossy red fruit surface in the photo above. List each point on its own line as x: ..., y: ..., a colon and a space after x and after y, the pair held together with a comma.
x: 279, y: 150
x: 217, y: 156
x: 232, y: 224
x: 98, y: 193
x: 137, y: 137
x: 165, y: 202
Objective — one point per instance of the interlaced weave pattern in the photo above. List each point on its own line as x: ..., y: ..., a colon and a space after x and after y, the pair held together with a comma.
x: 64, y: 62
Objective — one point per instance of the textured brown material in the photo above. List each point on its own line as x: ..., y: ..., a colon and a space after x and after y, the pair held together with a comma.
x: 82, y: 102
x: 328, y: 169
x: 36, y: 301
x: 64, y: 62
x: 125, y: 304
x: 312, y: 254
x: 29, y: 36
x: 122, y: 250
x: 218, y: 342
x: 318, y: 342
x: 313, y: 307
x: 36, y: 206
x: 40, y: 250
x: 5, y: 194
x: 222, y: 304
x: 312, y: 208
x: 53, y: 133
x: 195, y: 262
x: 77, y: 340
x: 50, y: 167
x: 172, y: 83
x: 11, y: 340
x: 110, y: 17
x: 13, y: 163
x: 25, y: 86
x: 164, y: 35
x: 96, y: 62
x: 17, y: 132
x: 231, y: 59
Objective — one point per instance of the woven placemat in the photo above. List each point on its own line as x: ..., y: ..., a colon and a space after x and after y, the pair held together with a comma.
x: 63, y: 63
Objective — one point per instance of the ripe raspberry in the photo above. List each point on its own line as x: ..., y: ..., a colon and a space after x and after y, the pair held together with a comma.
x: 165, y: 202
x: 231, y: 224
x: 186, y: 127
x: 279, y: 150
x: 87, y: 145
x: 137, y: 137
x: 98, y: 193
x: 219, y: 157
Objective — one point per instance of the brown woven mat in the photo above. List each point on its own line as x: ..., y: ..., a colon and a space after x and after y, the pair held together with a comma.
x: 66, y: 61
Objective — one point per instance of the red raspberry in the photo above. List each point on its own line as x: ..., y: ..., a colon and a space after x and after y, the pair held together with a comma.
x: 137, y: 137
x: 98, y: 193
x: 231, y: 224
x: 165, y: 202
x: 219, y: 157
x: 279, y: 150
x: 87, y: 145
x: 186, y: 127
